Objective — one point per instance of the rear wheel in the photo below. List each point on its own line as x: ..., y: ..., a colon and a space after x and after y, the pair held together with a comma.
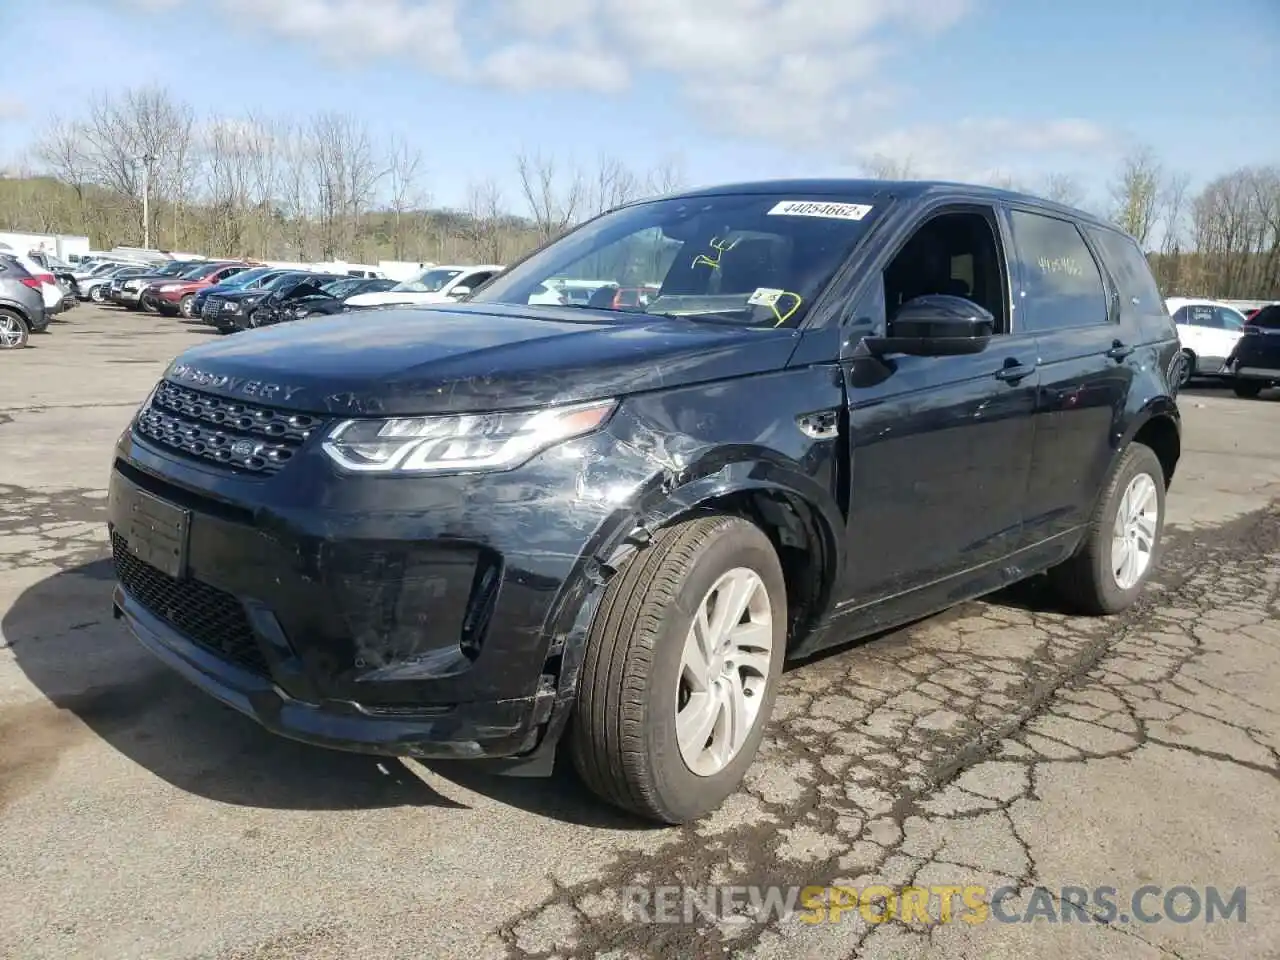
x: 1123, y: 540
x: 13, y: 331
x: 1248, y: 389
x: 680, y: 670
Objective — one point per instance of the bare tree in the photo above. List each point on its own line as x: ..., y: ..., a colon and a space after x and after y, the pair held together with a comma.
x: 666, y: 177
x: 404, y: 169
x: 883, y: 167
x: 348, y: 172
x: 482, y: 226
x: 1135, y: 194
x: 612, y: 185
x: 1064, y: 188
x: 554, y: 195
x: 61, y: 149
x: 141, y: 137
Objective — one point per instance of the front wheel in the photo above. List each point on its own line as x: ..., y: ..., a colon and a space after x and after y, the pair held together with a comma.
x: 681, y: 669
x: 185, y: 306
x: 96, y: 294
x: 1247, y: 389
x: 1123, y: 540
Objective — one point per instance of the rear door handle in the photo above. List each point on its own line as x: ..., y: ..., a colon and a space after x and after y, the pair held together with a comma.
x: 1014, y: 370
x: 1119, y: 350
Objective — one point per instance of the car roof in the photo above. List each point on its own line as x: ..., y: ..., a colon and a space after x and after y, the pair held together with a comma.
x: 1174, y: 303
x: 866, y: 189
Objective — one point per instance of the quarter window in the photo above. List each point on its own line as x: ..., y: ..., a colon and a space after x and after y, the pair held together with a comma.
x: 1138, y: 290
x: 1061, y: 284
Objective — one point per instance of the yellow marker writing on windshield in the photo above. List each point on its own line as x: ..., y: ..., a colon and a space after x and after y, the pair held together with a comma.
x: 719, y: 247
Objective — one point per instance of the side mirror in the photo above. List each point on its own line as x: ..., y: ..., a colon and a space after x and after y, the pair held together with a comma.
x: 459, y: 291
x: 936, y: 325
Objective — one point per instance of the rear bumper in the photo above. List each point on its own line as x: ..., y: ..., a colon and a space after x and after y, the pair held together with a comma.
x: 467, y: 731
x: 1256, y: 357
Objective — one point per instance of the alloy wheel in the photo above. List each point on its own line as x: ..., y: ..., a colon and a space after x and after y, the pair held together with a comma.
x: 1133, y: 536
x: 10, y: 332
x: 724, y: 669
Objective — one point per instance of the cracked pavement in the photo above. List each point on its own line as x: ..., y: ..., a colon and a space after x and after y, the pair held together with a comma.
x: 1001, y: 743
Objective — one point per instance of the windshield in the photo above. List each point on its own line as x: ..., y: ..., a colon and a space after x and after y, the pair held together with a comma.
x: 430, y: 280
x: 196, y: 272
x: 340, y: 288
x: 281, y: 281
x: 756, y: 259
x: 245, y: 277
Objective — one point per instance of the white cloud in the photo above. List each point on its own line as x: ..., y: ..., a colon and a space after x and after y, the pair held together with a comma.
x: 11, y: 108
x: 794, y: 73
x: 966, y: 149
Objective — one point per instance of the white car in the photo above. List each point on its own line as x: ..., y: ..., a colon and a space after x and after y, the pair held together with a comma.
x: 1208, y: 332
x: 432, y: 285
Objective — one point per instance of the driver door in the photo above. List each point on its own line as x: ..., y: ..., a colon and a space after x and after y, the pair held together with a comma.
x: 940, y: 447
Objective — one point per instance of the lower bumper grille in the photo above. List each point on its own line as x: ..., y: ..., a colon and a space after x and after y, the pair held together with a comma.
x: 203, y: 614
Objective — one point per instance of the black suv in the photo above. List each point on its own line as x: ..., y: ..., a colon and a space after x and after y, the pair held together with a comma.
x: 1254, y: 364
x: 465, y: 530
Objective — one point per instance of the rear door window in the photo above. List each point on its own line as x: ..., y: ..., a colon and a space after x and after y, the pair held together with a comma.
x: 1062, y: 286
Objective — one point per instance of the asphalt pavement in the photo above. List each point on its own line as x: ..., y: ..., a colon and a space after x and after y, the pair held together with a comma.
x: 1001, y: 746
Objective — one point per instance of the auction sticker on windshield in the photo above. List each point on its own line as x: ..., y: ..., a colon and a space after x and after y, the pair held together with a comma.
x: 810, y: 208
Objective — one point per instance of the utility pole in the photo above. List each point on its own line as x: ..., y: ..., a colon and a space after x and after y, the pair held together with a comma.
x: 147, y: 160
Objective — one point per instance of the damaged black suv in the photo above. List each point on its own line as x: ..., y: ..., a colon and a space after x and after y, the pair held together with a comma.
x: 485, y: 530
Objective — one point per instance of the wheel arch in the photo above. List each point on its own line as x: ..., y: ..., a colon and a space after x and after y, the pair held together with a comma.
x: 1158, y: 426
x: 800, y: 518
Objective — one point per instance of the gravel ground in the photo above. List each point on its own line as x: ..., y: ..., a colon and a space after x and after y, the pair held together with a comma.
x: 1000, y: 744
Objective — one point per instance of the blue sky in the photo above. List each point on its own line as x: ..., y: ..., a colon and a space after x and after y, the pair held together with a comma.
x: 732, y: 90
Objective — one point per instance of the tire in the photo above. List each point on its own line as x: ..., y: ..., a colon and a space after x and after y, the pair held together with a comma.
x: 184, y: 305
x: 623, y: 737
x: 13, y: 331
x: 1186, y: 369
x: 1089, y: 581
x: 96, y: 294
x: 1247, y: 389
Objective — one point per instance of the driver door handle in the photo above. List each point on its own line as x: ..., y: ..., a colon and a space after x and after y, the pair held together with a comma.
x: 1014, y: 370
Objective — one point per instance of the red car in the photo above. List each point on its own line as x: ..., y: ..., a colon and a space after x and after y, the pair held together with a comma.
x: 174, y: 297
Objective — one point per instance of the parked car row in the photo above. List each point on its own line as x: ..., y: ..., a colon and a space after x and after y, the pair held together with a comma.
x: 1219, y: 341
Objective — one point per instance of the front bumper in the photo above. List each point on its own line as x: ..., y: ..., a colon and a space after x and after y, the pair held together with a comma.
x: 390, y: 615
x: 463, y: 732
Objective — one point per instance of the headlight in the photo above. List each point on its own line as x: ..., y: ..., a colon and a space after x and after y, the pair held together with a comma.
x: 461, y: 442
x: 230, y: 306
x: 169, y: 287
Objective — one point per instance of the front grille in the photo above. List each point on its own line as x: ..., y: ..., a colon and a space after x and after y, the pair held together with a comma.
x: 209, y: 617
x: 211, y: 306
x: 242, y: 436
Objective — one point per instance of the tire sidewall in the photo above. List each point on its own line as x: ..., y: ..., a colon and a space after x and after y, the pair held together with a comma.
x: 184, y: 306
x: 1135, y: 460
x: 683, y: 792
x: 96, y: 295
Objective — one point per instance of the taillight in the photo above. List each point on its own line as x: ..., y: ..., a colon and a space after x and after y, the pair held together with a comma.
x: 32, y: 282
x: 46, y: 278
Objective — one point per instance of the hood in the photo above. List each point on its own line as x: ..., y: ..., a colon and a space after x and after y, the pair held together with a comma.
x: 471, y: 357
x: 391, y: 296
